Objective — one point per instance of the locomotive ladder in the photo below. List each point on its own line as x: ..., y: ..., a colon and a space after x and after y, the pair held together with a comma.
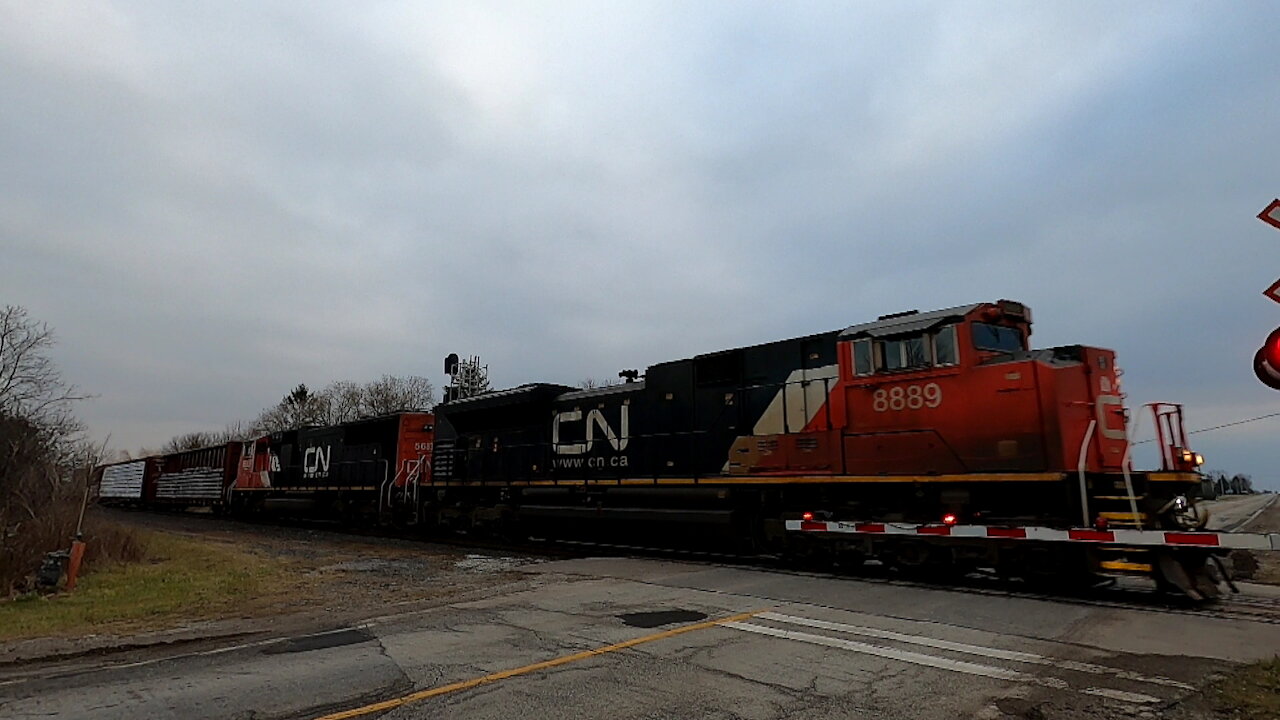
x: 1171, y: 436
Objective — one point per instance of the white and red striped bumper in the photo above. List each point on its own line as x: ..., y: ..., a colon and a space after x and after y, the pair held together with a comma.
x: 1245, y: 541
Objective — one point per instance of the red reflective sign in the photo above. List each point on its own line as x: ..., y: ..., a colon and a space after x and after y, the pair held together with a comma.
x: 1271, y: 215
x: 1273, y: 292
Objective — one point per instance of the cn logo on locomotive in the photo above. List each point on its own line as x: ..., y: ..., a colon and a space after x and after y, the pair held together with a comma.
x: 315, y: 462
x: 595, y: 419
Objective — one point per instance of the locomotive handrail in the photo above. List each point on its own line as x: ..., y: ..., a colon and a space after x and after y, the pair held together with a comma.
x: 1084, y: 492
x: 1126, y: 464
x: 383, y: 487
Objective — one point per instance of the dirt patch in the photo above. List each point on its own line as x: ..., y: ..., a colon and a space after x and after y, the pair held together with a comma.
x: 304, y: 578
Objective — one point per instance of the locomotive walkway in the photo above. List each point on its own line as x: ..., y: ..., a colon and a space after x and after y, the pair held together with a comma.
x: 622, y: 638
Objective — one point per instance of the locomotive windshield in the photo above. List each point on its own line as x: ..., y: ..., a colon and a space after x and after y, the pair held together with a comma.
x: 997, y: 338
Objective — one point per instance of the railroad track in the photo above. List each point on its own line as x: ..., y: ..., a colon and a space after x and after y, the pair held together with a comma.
x: 1116, y: 594
x: 1127, y: 596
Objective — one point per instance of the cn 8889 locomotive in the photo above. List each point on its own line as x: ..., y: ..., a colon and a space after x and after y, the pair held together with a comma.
x: 915, y: 417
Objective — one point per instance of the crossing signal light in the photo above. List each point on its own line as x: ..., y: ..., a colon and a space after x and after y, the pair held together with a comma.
x: 1266, y: 363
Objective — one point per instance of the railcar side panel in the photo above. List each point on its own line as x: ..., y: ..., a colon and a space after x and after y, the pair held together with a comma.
x: 197, y: 477
x: 123, y: 481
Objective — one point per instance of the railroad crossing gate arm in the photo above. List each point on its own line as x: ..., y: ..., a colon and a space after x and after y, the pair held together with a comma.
x: 1232, y: 541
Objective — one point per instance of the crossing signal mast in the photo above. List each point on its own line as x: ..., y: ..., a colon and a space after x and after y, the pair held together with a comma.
x: 1266, y: 362
x: 467, y: 378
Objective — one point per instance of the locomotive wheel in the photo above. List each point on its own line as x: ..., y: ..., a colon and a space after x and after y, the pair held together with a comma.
x: 1056, y: 569
x: 850, y: 559
x: 911, y: 556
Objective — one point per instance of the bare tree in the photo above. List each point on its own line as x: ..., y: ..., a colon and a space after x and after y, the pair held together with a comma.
x: 44, y: 459
x: 31, y: 386
x: 346, y: 402
x: 339, y: 402
x: 235, y: 432
x: 393, y: 393
x: 189, y: 441
x: 593, y: 383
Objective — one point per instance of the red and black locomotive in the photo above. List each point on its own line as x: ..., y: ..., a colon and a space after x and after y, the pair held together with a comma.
x: 911, y: 418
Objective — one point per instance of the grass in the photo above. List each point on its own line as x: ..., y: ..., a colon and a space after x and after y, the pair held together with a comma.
x: 178, y: 579
x: 1252, y: 693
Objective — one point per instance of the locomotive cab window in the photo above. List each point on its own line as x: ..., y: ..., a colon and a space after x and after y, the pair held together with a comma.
x: 997, y: 338
x: 904, y: 353
x: 862, y: 364
x: 944, y: 346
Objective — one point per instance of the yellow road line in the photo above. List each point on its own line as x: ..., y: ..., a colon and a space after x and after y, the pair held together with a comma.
x: 503, y: 675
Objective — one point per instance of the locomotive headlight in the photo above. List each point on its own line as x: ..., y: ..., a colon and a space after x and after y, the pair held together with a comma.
x: 1199, y: 459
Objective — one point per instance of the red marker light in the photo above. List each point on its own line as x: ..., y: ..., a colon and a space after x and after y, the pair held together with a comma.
x: 1271, y: 349
x: 1100, y: 523
x: 807, y: 517
x: 950, y: 519
x: 1266, y: 362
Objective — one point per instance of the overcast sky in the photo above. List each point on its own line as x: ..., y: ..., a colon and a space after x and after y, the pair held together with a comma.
x: 213, y: 202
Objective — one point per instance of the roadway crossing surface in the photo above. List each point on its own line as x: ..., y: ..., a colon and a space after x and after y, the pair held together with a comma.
x: 646, y: 638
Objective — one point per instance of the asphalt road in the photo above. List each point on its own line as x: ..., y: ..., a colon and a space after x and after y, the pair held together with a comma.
x: 644, y: 638
x: 1232, y: 512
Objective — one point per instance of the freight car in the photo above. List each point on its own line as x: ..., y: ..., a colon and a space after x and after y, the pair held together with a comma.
x: 191, y: 478
x: 368, y: 469
x: 943, y: 417
x: 196, y: 478
x: 128, y: 483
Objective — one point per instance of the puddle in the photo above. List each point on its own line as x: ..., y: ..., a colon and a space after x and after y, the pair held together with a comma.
x: 661, y: 617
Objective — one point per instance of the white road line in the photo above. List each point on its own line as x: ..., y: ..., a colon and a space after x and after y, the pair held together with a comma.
x: 941, y: 663
x: 1121, y: 695
x: 1012, y: 655
x: 1255, y: 514
x: 890, y: 653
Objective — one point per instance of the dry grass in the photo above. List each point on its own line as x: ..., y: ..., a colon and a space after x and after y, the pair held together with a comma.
x: 177, y: 580
x: 1252, y: 693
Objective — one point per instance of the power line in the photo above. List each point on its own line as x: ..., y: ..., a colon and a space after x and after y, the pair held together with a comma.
x: 1218, y: 427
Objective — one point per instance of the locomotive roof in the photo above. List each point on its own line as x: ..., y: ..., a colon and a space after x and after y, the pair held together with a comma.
x: 909, y: 323
x: 603, y: 391
x: 509, y: 396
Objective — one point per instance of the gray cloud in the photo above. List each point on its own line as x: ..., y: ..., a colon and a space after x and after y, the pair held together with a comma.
x: 213, y: 203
